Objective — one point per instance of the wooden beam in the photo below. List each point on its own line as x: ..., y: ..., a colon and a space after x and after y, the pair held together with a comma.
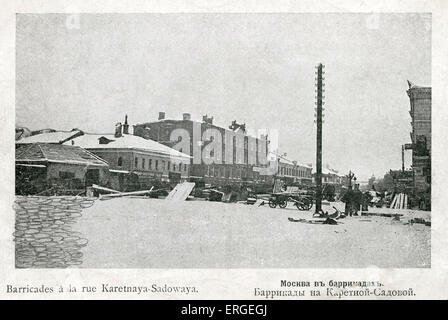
x: 123, y: 194
x: 97, y: 187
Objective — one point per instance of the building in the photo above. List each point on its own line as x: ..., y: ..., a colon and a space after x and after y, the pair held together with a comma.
x: 134, y: 163
x: 220, y: 156
x: 331, y: 176
x: 137, y: 163
x: 288, y: 171
x: 420, y: 112
x: 403, y: 180
x: 57, y: 168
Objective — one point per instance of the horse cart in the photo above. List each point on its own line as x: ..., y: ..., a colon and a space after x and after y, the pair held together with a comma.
x: 281, y: 199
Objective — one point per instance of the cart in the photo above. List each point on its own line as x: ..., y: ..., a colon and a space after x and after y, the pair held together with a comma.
x: 301, y: 202
x: 278, y: 199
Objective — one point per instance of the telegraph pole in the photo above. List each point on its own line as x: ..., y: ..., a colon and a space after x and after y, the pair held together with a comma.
x: 319, y: 97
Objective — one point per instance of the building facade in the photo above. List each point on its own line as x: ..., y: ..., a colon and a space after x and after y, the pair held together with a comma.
x: 219, y: 156
x: 56, y: 168
x: 331, y: 176
x: 288, y: 171
x: 420, y: 112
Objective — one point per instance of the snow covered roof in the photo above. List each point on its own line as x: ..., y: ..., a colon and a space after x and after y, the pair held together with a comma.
x: 49, y: 137
x: 92, y: 141
x: 326, y: 170
x: 273, y: 157
x: 126, y: 141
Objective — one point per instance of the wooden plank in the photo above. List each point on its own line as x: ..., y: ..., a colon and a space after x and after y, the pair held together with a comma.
x: 181, y: 191
x: 97, y: 187
x: 394, y: 200
x: 123, y: 194
x: 403, y: 202
x: 397, y: 202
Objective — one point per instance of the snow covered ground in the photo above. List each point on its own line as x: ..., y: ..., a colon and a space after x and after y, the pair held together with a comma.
x: 153, y: 233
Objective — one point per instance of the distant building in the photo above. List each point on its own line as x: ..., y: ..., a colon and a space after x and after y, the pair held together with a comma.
x: 220, y: 156
x: 57, y: 168
x: 420, y: 112
x: 331, y: 176
x: 288, y: 171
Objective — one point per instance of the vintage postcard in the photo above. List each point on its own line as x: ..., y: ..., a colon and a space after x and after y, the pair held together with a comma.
x: 208, y: 150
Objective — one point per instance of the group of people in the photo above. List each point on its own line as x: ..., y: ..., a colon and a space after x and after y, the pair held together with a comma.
x: 355, y: 200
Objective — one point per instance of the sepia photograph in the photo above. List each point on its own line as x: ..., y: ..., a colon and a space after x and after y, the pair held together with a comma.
x: 222, y: 140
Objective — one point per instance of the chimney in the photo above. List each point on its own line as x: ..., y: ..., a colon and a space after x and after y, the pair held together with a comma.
x: 161, y: 115
x: 118, y: 130
x: 187, y: 116
x: 126, y: 125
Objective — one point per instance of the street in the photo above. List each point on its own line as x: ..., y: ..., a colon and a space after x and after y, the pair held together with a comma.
x: 152, y: 233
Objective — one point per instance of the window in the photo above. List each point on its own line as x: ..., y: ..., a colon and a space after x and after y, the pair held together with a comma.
x: 180, y: 167
x: 150, y: 164
x: 163, y: 165
x: 136, y: 163
x: 169, y: 165
x: 143, y: 163
x: 185, y: 167
x: 120, y: 161
x: 157, y: 164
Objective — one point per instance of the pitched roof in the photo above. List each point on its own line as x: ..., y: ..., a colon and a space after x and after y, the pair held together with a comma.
x: 49, y: 137
x: 91, y: 141
x: 56, y: 153
x: 273, y: 156
x: 414, y: 86
x: 126, y: 141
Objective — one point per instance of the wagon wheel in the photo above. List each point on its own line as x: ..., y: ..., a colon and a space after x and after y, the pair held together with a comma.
x: 272, y: 203
x: 301, y: 206
x: 307, y: 206
x: 283, y: 203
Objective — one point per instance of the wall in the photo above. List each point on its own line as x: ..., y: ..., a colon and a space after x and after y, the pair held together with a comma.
x: 53, y: 170
x: 132, y: 161
x: 161, y: 131
x: 420, y: 102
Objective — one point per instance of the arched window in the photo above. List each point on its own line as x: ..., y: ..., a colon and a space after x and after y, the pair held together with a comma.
x: 120, y: 161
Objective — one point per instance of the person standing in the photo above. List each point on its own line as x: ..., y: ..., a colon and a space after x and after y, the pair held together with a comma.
x: 366, y: 198
x: 347, y: 198
x: 357, y: 199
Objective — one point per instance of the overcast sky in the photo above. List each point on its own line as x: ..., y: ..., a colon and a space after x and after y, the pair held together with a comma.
x: 88, y: 71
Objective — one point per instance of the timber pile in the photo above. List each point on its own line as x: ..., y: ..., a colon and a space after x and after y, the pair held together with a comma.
x: 400, y: 201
